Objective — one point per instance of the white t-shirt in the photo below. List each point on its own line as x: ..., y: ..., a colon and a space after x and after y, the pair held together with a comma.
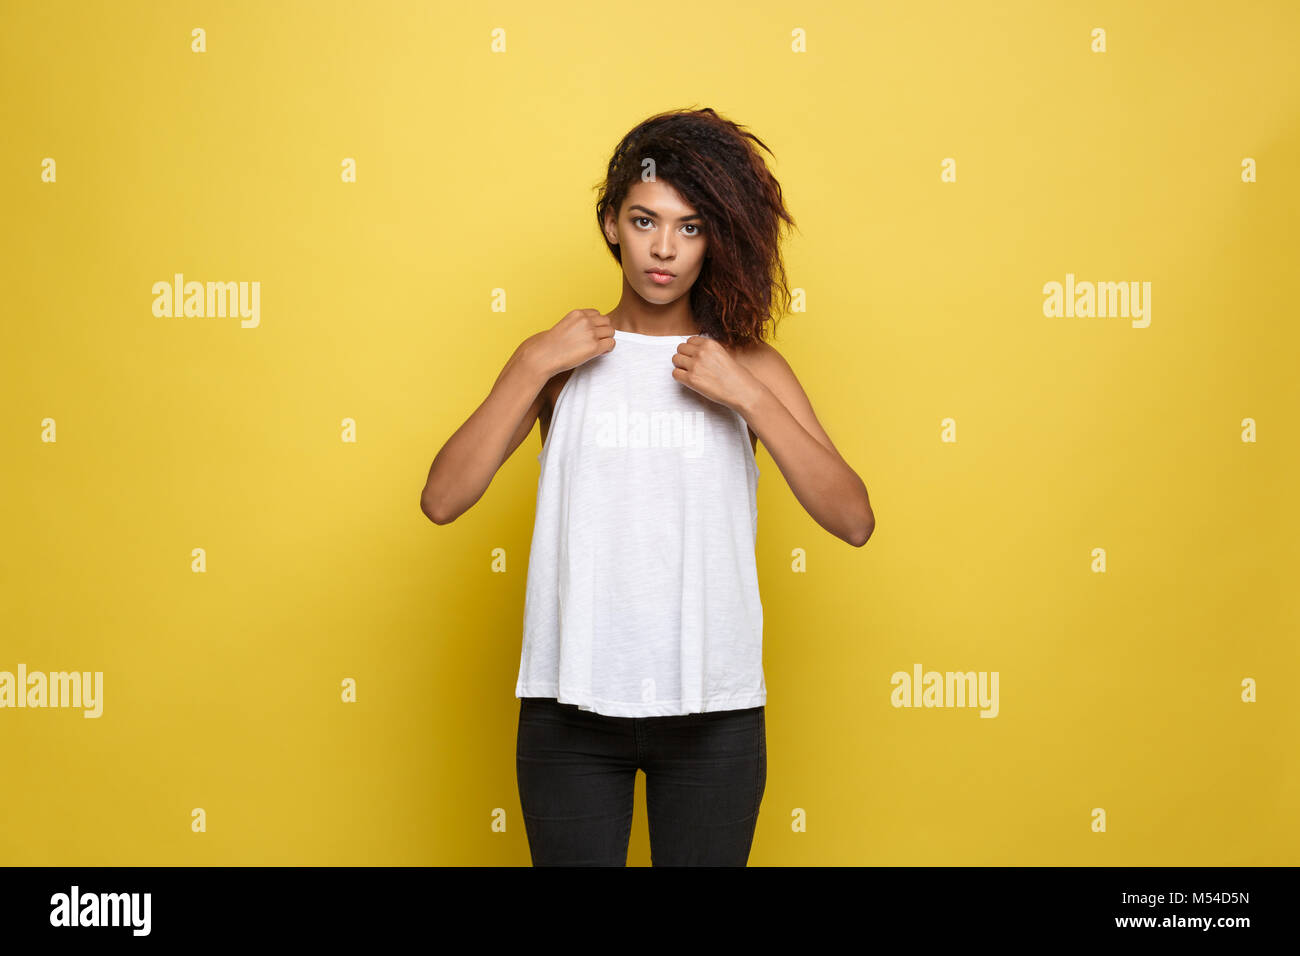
x: 642, y: 596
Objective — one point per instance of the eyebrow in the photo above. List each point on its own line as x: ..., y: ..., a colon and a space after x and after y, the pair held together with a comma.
x: 694, y: 215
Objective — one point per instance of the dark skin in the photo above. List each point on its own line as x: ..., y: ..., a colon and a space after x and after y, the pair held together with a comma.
x: 657, y: 229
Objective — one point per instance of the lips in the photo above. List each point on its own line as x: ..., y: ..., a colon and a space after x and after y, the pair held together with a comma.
x: 660, y: 272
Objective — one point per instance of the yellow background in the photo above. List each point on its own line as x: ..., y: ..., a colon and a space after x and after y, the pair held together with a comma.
x: 475, y: 172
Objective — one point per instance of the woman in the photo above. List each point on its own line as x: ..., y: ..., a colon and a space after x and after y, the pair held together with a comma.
x: 643, y: 627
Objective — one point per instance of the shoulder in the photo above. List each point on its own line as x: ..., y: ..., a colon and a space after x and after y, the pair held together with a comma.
x: 769, y: 366
x: 766, y: 364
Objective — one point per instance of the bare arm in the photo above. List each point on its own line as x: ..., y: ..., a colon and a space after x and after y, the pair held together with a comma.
x: 780, y: 413
x: 470, y: 459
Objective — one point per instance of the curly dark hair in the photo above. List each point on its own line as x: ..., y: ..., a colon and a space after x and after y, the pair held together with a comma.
x: 715, y: 166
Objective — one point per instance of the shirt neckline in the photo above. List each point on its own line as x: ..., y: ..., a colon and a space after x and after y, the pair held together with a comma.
x: 642, y: 337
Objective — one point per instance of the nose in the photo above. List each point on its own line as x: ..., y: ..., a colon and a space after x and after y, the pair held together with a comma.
x: 662, y: 247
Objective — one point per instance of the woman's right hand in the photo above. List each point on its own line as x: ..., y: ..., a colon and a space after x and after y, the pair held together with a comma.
x: 579, y: 336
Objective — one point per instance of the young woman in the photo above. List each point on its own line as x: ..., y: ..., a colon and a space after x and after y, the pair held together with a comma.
x: 643, y: 628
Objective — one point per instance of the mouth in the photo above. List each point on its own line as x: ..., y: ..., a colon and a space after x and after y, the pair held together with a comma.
x: 661, y: 272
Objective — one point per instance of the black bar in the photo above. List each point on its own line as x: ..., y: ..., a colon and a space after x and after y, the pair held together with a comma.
x: 512, y: 905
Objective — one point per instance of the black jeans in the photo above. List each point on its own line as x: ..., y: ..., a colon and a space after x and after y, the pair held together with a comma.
x: 705, y: 775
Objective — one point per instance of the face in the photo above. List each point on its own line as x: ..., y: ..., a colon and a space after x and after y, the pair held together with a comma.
x: 657, y: 230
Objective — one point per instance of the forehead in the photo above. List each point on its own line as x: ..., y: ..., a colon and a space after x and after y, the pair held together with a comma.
x: 659, y: 196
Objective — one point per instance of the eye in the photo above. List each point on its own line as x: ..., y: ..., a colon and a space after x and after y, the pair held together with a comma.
x: 691, y: 225
x: 640, y: 218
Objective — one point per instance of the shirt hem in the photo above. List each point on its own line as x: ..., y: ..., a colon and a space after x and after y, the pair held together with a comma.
x: 671, y: 708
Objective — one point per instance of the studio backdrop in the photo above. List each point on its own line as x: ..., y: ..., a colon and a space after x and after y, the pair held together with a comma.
x: 262, y: 259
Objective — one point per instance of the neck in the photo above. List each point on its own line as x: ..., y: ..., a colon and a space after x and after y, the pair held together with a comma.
x: 635, y: 314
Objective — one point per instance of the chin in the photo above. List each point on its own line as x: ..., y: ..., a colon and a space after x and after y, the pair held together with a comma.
x: 660, y: 297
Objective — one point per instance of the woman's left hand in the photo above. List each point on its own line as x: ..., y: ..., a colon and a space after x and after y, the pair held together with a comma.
x: 706, y: 366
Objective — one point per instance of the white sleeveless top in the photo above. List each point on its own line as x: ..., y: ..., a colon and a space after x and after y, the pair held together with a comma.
x: 642, y: 596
